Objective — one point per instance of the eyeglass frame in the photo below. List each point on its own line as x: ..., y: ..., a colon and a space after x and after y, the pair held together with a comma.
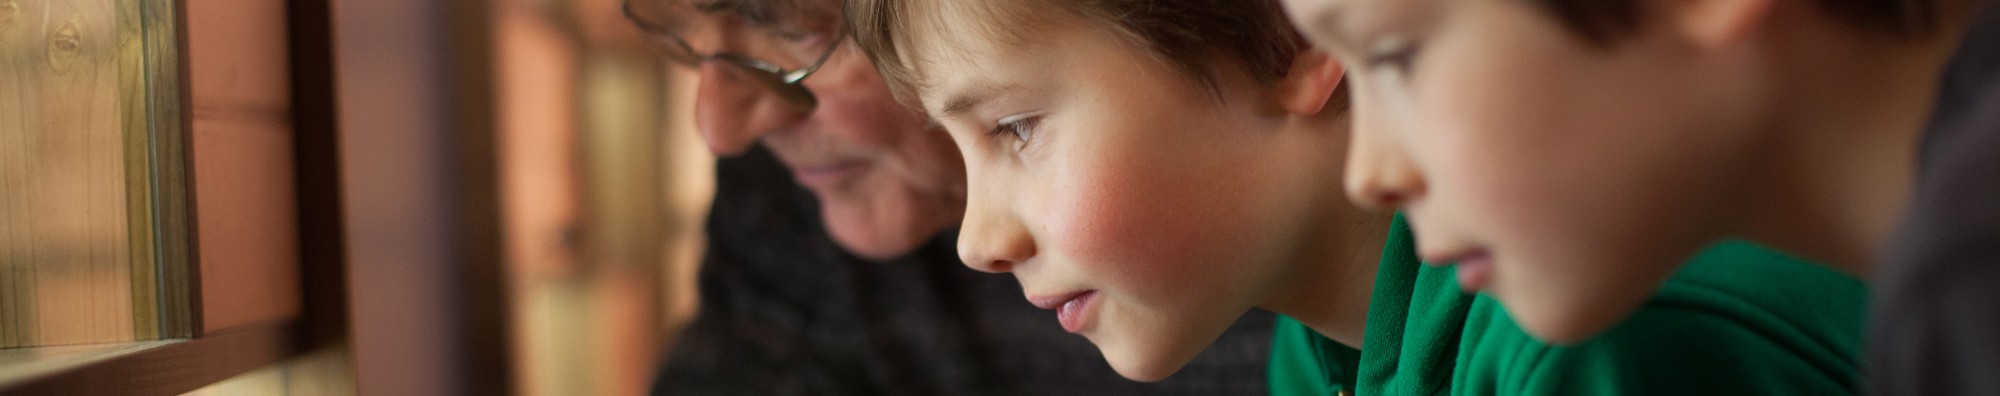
x: 789, y: 85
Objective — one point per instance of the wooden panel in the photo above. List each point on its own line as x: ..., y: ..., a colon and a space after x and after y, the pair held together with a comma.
x: 64, y: 256
x: 241, y: 149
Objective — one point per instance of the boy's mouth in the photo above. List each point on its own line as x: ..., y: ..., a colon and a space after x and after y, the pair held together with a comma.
x: 1071, y: 308
x: 1475, y: 269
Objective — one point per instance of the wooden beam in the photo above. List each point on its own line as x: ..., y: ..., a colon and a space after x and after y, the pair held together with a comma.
x: 169, y: 368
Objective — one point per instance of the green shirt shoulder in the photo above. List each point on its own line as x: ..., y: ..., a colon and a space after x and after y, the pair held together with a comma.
x: 1739, y: 319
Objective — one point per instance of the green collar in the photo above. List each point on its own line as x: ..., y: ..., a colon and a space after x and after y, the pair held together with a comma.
x: 1415, y: 318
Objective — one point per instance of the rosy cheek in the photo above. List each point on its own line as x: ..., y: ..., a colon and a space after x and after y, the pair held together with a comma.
x: 1125, y: 230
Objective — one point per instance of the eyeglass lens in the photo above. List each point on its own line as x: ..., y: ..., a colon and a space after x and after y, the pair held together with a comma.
x: 785, y: 39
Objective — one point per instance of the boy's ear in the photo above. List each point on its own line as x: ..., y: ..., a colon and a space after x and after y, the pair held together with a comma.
x: 1311, y: 82
x: 1717, y: 23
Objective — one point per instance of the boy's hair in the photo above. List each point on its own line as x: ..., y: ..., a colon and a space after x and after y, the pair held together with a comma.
x: 1196, y: 36
x: 1602, y: 21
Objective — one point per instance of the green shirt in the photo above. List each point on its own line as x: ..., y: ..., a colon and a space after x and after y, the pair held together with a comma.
x: 1737, y: 320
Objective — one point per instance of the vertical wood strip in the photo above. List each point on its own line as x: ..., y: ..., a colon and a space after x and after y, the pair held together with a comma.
x: 132, y: 69
x: 13, y: 252
x: 169, y: 118
x: 109, y: 273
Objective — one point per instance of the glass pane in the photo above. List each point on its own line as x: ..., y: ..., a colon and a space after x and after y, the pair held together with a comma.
x: 88, y: 125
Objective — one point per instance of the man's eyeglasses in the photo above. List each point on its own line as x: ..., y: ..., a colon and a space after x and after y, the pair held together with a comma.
x: 779, y: 55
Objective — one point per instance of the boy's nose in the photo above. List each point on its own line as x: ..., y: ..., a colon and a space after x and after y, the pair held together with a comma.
x: 990, y: 240
x: 732, y: 111
x: 1380, y: 175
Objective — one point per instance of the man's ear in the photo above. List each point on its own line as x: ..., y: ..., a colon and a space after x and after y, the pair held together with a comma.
x: 1311, y: 82
x: 1717, y: 23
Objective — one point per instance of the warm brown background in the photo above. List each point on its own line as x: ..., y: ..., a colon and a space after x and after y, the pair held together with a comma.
x: 497, y: 197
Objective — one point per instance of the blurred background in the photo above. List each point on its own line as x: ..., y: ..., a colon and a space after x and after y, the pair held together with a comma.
x: 394, y: 197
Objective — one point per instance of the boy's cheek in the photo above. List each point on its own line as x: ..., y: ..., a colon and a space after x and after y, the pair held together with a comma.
x: 1106, y: 222
x: 1141, y: 232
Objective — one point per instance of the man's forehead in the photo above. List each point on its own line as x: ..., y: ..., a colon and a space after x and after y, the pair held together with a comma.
x: 745, y: 7
x: 673, y: 15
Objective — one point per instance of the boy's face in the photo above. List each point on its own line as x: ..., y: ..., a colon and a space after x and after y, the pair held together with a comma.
x: 1564, y: 178
x: 1147, y: 214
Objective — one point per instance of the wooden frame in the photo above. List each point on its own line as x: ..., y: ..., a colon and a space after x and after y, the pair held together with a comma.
x: 180, y: 135
x: 481, y: 273
x: 424, y: 230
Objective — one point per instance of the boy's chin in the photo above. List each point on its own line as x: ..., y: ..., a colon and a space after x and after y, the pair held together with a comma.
x: 1564, y: 321
x: 1145, y: 363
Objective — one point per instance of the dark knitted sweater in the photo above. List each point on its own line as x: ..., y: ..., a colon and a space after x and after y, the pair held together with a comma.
x: 785, y: 311
x: 1934, y: 328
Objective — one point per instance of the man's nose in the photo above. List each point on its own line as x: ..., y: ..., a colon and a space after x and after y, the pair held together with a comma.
x: 732, y: 111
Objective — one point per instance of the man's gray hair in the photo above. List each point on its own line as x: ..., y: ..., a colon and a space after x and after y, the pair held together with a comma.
x: 757, y: 12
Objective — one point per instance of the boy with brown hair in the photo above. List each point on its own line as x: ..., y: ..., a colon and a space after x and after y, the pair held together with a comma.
x: 1570, y: 153
x: 829, y: 267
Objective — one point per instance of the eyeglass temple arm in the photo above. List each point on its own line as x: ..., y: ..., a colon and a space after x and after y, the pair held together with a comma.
x: 625, y: 7
x: 800, y: 74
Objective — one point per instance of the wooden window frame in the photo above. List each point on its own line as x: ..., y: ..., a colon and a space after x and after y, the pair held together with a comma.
x: 194, y: 351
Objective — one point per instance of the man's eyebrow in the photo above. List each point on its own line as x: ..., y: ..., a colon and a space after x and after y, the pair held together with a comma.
x: 712, y: 6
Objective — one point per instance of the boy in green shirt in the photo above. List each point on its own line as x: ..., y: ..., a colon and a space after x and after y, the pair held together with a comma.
x: 1152, y: 169
x: 1568, y: 155
x: 1783, y: 326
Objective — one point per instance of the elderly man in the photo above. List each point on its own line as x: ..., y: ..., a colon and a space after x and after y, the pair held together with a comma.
x: 830, y: 267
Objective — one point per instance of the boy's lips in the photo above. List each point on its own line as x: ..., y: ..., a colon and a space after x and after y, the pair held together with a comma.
x: 1072, y: 309
x: 1475, y: 268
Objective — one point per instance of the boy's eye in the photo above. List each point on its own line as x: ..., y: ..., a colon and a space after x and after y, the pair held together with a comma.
x: 1395, y: 54
x: 1021, y: 128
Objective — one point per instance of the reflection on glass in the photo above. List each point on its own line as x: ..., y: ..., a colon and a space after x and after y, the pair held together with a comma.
x: 81, y: 142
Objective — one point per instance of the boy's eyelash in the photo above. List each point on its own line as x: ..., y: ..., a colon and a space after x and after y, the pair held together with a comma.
x: 1398, y: 54
x: 1399, y: 59
x: 1022, y: 128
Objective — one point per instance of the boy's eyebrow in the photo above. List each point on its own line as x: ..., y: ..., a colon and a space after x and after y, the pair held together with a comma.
x: 972, y: 97
x: 959, y: 104
x: 1332, y: 19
